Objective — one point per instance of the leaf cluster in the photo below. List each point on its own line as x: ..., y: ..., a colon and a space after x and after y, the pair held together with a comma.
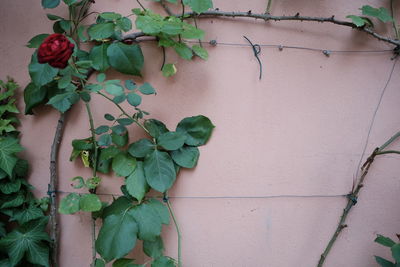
x: 395, y: 249
x: 382, y: 14
x: 23, y: 240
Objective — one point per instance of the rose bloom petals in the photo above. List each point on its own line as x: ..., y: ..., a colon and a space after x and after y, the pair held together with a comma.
x: 56, y: 50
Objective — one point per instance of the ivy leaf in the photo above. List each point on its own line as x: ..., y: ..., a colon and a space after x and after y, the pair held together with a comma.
x: 148, y: 221
x: 155, y: 127
x: 383, y: 262
x: 123, y: 164
x: 8, y: 147
x: 200, y: 51
x: 28, y: 240
x: 101, y: 30
x: 98, y: 56
x: 117, y: 236
x: 127, y: 59
x: 186, y: 156
x: 63, y: 102
x: 159, y: 170
x: 26, y: 215
x: 199, y: 6
x: 89, y: 203
x: 10, y: 187
x: 171, y: 140
x: 385, y: 241
x: 141, y: 148
x: 136, y: 182
x: 197, y: 129
x: 163, y: 262
x: 50, y: 3
x: 153, y: 249
x: 169, y: 70
x: 69, y: 204
x: 36, y: 41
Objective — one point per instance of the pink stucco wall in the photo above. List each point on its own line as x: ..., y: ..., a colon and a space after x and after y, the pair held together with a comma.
x: 298, y: 131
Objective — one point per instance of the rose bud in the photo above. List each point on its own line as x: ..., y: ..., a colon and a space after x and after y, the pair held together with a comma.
x: 56, y: 50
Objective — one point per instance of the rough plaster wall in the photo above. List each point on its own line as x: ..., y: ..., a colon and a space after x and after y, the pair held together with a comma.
x: 299, y: 131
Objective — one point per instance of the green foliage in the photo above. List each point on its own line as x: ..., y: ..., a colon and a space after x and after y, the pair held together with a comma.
x: 395, y: 249
x: 127, y: 59
x: 381, y: 14
x: 199, y: 6
x: 24, y: 238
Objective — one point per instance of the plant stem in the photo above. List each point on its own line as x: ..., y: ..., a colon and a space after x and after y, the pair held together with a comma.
x: 396, y: 31
x: 92, y: 130
x: 351, y: 202
x: 178, y: 231
x: 268, y: 10
x: 125, y: 113
x: 54, y: 232
x: 388, y: 142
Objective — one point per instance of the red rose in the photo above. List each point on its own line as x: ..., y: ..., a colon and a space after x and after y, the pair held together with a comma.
x: 56, y: 49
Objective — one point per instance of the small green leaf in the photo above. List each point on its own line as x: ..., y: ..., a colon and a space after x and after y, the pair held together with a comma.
x: 63, y: 102
x: 41, y: 74
x: 380, y: 13
x: 127, y: 59
x: 159, y: 170
x: 123, y: 164
x: 155, y: 127
x: 36, y: 41
x: 153, y: 249
x: 136, y: 182
x: 130, y: 85
x: 383, y: 262
x: 33, y: 96
x: 134, y: 99
x: 385, y: 241
x: 100, y: 77
x: 101, y: 30
x: 200, y: 51
x: 199, y: 6
x: 171, y: 140
x: 163, y: 262
x: 50, y: 3
x: 396, y: 252
x: 81, y: 33
x: 169, y: 70
x: 99, y: 263
x: 120, y: 139
x: 54, y: 17
x: 191, y: 32
x: 186, y: 156
x: 147, y: 89
x: 358, y: 21
x: 105, y: 140
x: 114, y: 89
x: 98, y: 55
x: 197, y: 129
x: 141, y: 148
x: 69, y: 204
x: 109, y: 117
x: 124, y: 24
x: 183, y: 51
x: 102, y: 129
x: 110, y: 15
x: 90, y: 203
x: 70, y: 2
x: 125, y: 121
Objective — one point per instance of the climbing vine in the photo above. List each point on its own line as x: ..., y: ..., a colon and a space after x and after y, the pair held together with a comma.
x: 61, y: 76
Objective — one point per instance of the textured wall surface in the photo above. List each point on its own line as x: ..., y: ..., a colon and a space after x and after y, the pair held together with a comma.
x: 299, y: 131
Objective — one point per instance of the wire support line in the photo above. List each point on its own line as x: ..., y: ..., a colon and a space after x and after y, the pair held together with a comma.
x: 371, y: 124
x: 225, y: 197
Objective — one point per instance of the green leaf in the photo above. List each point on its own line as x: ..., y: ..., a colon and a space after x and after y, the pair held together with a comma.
x: 183, y: 51
x: 114, y: 89
x: 396, y: 252
x: 169, y: 70
x: 117, y: 236
x: 54, y: 17
x: 126, y: 263
x: 127, y: 59
x: 125, y: 121
x: 101, y: 30
x: 70, y: 2
x: 124, y: 24
x: 130, y: 85
x: 159, y: 170
x: 149, y: 25
x: 36, y: 41
x: 50, y: 3
x: 104, y: 140
x: 8, y: 147
x: 105, y: 156
x: 65, y: 25
x: 123, y: 164
x: 141, y: 148
x: 33, y: 96
x: 163, y: 262
x: 186, y: 156
x: 81, y: 33
x: 119, y: 206
x: 136, y: 183
x: 99, y: 263
x: 109, y: 117
x: 110, y: 15
x: 10, y: 187
x: 358, y: 21
x: 383, y: 262
x: 41, y: 74
x: 147, y: 89
x: 198, y: 129
x: 82, y: 144
x: 171, y: 140
x: 161, y: 210
x: 28, y: 214
x: 134, y: 99
x: 63, y: 102
x: 380, y: 13
x: 69, y: 204
x: 199, y: 6
x: 148, y: 221
x: 13, y: 201
x: 385, y: 241
x: 153, y: 249
x: 102, y: 129
x: 28, y: 240
x: 120, y: 139
x: 200, y: 51
x: 191, y: 32
x: 98, y: 55
x: 90, y: 203
x: 155, y: 127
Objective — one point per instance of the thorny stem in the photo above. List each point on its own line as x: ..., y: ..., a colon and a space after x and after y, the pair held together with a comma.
x: 140, y: 4
x: 268, y: 10
x: 125, y: 113
x: 178, y: 231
